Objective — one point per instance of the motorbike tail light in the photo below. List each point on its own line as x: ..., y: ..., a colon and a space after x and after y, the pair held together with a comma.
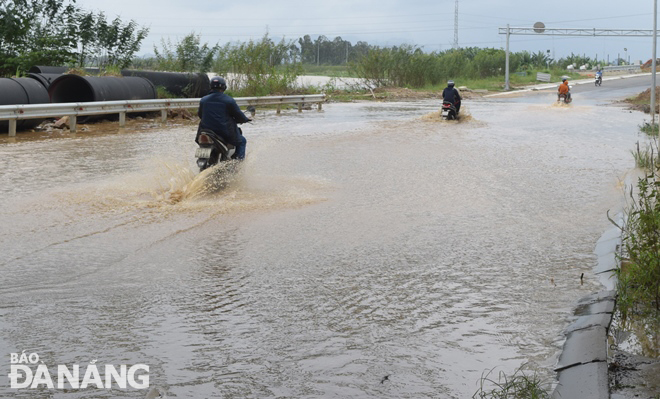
x: 205, y: 139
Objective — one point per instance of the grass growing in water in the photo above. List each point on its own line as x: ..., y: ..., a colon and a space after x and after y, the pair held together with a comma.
x: 646, y: 158
x: 520, y: 385
x: 639, y: 273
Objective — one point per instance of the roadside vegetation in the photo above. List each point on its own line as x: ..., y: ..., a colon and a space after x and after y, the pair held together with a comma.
x: 59, y: 33
x: 638, y: 301
x: 521, y: 384
x: 638, y: 287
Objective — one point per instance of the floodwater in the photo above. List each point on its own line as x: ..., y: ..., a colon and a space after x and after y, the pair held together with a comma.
x: 366, y: 251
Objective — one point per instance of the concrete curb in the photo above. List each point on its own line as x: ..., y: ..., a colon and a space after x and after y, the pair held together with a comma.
x: 582, y: 366
x: 572, y: 83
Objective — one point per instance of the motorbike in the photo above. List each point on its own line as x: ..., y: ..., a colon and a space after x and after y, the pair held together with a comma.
x: 212, y: 149
x: 599, y: 80
x: 563, y: 98
x: 449, y: 111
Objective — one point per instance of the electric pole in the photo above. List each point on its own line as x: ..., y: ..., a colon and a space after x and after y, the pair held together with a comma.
x: 653, y: 63
x: 456, y: 26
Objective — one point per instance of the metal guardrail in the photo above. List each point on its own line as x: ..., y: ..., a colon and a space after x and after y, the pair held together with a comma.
x: 13, y: 113
x: 542, y: 77
x: 632, y: 68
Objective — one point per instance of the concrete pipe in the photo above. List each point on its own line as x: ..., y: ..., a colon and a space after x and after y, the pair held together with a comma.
x: 192, y: 85
x: 15, y: 91
x: 74, y: 89
x: 44, y: 78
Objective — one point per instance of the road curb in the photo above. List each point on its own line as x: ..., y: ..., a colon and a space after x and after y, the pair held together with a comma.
x: 582, y: 368
x: 554, y: 85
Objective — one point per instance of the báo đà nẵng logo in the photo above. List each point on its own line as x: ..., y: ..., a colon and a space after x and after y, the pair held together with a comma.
x: 27, y: 371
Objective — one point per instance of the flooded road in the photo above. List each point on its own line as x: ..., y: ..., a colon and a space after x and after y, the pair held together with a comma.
x: 368, y: 250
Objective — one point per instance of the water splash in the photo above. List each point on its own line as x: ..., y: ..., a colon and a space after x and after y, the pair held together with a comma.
x: 436, y: 116
x: 185, y: 185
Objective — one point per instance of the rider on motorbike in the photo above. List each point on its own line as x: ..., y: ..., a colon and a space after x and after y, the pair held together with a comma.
x: 451, y: 95
x: 599, y: 75
x: 564, y: 89
x: 220, y: 113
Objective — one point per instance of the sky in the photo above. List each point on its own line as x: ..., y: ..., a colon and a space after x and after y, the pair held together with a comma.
x: 426, y: 23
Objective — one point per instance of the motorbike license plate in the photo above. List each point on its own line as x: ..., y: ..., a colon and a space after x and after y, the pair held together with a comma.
x: 445, y: 112
x: 203, y: 153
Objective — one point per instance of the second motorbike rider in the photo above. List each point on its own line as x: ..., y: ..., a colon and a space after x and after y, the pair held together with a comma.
x: 451, y: 95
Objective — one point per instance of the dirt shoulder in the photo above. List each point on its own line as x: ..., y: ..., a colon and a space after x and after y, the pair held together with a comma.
x: 633, y: 376
x: 642, y: 102
x: 401, y: 94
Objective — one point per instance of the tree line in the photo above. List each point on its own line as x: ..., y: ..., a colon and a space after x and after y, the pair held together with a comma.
x: 58, y: 32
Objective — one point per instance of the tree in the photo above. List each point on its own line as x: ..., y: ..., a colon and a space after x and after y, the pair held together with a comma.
x: 252, y: 67
x: 57, y: 32
x: 36, y: 32
x: 188, y: 55
x: 307, y: 50
x: 107, y: 44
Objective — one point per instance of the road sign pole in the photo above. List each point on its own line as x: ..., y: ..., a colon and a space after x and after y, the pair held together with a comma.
x: 506, y: 78
x: 653, y: 63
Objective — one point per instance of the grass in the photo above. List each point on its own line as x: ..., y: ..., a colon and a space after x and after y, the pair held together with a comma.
x: 644, y: 159
x: 639, y: 274
x: 338, y: 71
x: 650, y: 129
x: 520, y: 385
x: 161, y: 92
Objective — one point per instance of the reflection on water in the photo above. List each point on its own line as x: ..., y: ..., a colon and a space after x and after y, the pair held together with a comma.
x: 356, y: 243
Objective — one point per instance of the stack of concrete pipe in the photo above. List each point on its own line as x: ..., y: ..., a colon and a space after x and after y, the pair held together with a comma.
x: 46, y: 84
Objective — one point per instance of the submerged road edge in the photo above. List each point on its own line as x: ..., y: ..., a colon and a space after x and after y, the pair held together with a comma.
x: 582, y: 366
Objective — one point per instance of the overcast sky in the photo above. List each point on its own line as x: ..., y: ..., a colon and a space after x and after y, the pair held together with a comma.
x: 426, y: 23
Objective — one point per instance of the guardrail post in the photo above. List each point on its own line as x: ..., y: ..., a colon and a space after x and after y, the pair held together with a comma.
x: 320, y: 105
x: 12, y: 127
x: 73, y: 123
x: 122, y: 119
x: 279, y: 109
x: 300, y: 105
x: 163, y: 115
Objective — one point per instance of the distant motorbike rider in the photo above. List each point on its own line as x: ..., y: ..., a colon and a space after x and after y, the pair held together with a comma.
x: 564, y: 89
x: 220, y: 113
x: 599, y: 75
x: 450, y: 94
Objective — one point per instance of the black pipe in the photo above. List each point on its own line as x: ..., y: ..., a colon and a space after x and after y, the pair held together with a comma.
x: 44, y: 78
x: 190, y: 85
x: 17, y: 91
x: 74, y: 88
x: 180, y: 84
x: 58, y: 69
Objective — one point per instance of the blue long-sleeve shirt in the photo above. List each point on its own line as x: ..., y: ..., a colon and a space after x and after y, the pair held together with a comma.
x: 220, y: 113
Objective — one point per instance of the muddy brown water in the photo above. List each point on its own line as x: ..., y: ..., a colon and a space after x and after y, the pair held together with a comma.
x: 363, y: 241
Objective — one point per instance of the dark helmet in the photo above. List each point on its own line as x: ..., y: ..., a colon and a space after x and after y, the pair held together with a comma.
x: 563, y: 79
x: 450, y: 83
x: 218, y: 83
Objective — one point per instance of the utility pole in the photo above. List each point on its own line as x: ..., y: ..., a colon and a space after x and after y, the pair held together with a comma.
x: 653, y: 63
x: 456, y: 26
x: 506, y: 78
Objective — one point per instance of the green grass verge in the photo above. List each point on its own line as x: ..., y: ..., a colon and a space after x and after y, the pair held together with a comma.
x: 520, y: 385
